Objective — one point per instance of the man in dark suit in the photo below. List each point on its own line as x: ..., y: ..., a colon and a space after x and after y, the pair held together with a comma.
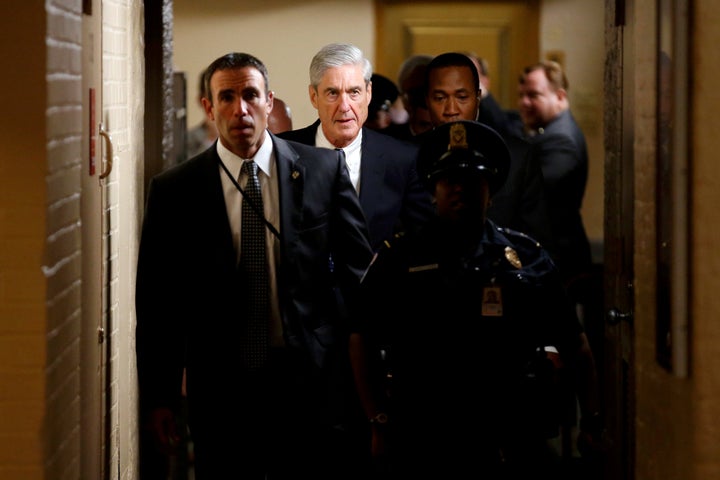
x: 558, y: 145
x: 283, y: 418
x: 382, y: 168
x: 453, y: 93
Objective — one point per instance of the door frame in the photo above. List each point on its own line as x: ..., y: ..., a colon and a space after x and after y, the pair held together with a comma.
x: 618, y: 362
x: 92, y: 420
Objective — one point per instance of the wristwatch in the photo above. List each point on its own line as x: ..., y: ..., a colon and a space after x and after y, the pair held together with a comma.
x: 379, y: 419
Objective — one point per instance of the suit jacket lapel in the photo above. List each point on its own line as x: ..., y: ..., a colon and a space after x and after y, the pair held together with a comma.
x: 304, y: 135
x: 291, y: 186
x: 216, y: 207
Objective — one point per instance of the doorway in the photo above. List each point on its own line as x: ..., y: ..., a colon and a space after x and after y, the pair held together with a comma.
x: 505, y: 34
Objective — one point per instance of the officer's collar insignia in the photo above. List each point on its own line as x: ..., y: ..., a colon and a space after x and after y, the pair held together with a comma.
x: 513, y: 257
x: 458, y: 137
x: 422, y: 268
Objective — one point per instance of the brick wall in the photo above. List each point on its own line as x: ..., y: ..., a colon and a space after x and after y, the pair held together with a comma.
x: 62, y: 256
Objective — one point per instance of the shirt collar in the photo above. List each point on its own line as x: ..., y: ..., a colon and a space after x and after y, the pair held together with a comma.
x: 234, y: 162
x: 322, y: 141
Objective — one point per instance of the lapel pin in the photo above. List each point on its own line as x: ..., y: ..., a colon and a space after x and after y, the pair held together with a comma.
x: 295, y: 174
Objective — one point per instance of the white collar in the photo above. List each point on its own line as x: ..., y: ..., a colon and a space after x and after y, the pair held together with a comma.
x: 234, y: 162
x: 322, y: 141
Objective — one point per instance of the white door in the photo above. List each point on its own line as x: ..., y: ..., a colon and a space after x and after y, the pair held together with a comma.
x: 93, y: 150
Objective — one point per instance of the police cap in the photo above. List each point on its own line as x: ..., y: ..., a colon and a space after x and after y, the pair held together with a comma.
x: 464, y: 147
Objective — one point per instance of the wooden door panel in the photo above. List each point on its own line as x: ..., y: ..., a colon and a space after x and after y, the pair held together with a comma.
x: 487, y: 42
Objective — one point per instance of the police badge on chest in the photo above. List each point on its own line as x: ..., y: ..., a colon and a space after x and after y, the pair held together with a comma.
x: 492, y: 302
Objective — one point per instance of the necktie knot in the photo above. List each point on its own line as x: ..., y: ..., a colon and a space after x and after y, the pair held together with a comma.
x: 249, y: 168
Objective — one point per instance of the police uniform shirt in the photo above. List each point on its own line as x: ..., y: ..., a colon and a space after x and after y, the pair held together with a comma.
x: 451, y: 355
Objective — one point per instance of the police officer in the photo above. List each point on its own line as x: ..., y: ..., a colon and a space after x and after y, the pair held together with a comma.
x: 477, y: 322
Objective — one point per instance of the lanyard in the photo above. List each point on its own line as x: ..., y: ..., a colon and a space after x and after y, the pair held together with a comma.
x: 246, y: 199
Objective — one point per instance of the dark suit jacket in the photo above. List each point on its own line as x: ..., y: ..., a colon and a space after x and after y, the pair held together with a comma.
x: 561, y: 151
x: 492, y: 114
x: 401, y: 131
x: 188, y: 287
x: 520, y: 204
x: 391, y: 194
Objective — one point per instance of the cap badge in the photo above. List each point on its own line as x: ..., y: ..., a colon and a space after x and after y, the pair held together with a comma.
x: 458, y: 137
x: 513, y: 257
